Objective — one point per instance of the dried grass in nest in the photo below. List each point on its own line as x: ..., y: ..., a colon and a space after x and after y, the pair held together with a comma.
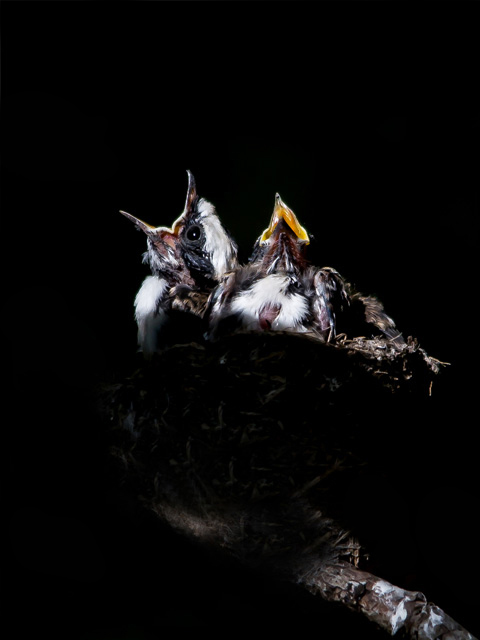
x: 251, y: 442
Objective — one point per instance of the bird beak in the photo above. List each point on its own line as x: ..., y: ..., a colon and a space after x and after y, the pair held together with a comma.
x: 282, y: 212
x: 191, y: 194
x: 140, y: 224
x: 169, y: 235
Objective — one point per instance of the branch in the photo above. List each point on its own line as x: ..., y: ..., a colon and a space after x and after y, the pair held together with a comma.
x: 390, y: 607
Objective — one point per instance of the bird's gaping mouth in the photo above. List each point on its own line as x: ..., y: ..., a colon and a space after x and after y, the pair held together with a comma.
x: 282, y: 212
x: 168, y: 235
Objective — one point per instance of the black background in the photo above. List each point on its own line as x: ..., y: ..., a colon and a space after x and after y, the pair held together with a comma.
x: 104, y: 107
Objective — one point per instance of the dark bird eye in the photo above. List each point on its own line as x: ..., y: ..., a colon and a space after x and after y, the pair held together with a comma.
x: 194, y: 233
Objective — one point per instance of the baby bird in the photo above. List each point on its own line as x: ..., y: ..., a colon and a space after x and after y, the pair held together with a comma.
x: 187, y: 261
x: 280, y: 290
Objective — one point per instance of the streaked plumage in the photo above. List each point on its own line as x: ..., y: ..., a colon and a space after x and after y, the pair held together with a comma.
x: 187, y: 261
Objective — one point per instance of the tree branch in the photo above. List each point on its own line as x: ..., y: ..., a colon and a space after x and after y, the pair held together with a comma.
x: 390, y: 607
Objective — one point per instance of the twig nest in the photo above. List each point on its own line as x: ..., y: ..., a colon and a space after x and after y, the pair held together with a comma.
x: 251, y: 442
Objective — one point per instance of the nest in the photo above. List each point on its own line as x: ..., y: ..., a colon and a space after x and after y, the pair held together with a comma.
x: 251, y: 443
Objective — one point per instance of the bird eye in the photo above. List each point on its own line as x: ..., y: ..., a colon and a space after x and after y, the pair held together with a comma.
x: 194, y: 233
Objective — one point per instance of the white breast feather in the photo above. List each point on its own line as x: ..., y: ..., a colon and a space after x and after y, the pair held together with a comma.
x: 149, y: 318
x: 270, y: 291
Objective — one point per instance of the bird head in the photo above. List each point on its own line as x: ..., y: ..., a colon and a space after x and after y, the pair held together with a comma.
x: 282, y: 245
x: 196, y: 248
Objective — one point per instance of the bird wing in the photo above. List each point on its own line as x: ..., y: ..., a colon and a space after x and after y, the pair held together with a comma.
x: 374, y: 314
x: 217, y: 307
x: 189, y: 299
x: 329, y: 300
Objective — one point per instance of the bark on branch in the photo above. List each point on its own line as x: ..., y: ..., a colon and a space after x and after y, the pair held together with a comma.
x: 393, y: 609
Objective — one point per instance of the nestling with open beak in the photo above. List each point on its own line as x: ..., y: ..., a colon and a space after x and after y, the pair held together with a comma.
x: 187, y: 261
x: 280, y: 290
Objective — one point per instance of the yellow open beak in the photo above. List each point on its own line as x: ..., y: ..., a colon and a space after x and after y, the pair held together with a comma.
x: 282, y: 212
